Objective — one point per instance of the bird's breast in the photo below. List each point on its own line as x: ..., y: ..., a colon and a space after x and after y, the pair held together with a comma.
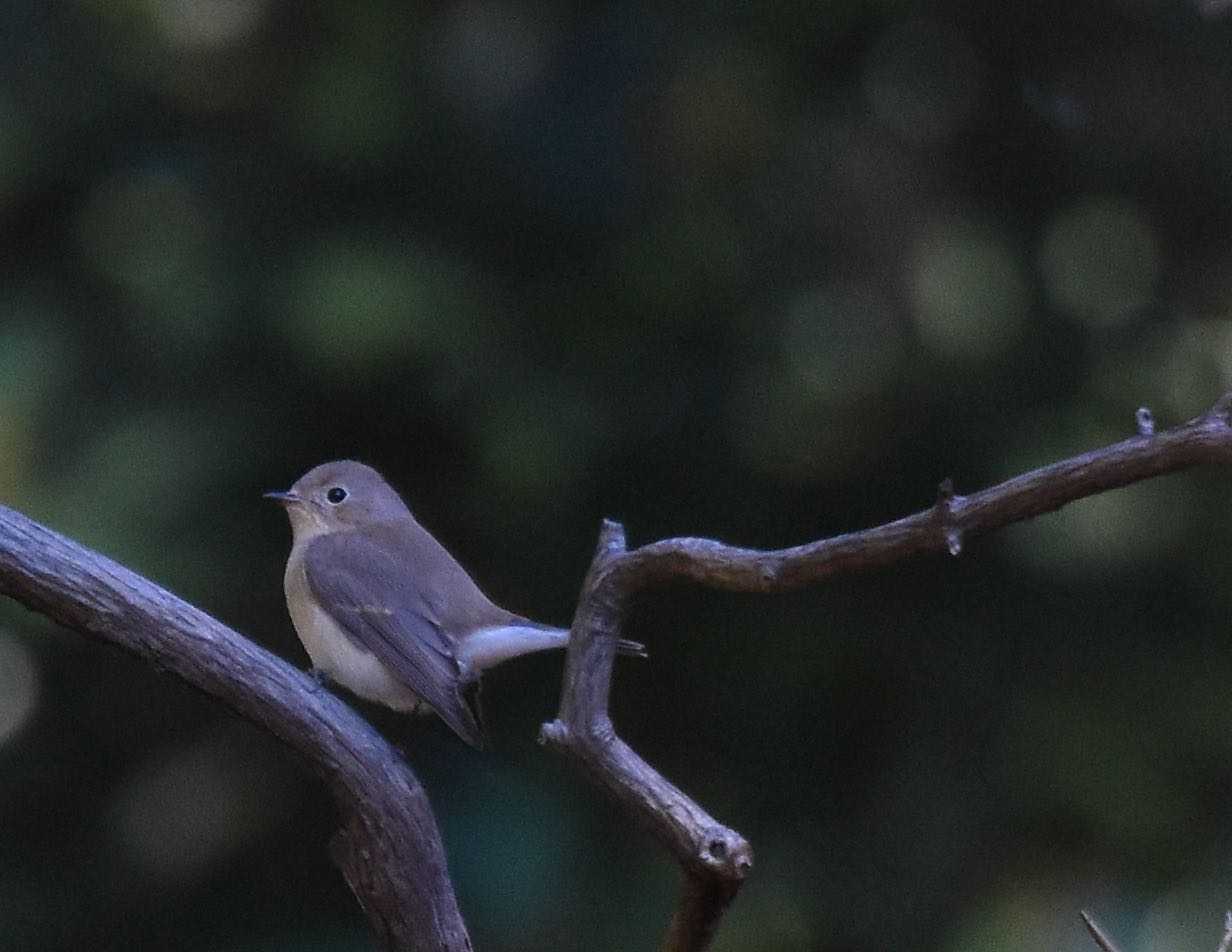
x: 333, y: 651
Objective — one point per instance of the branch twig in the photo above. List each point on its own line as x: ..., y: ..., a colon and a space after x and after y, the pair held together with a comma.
x: 1102, y: 939
x: 716, y: 859
x: 942, y: 528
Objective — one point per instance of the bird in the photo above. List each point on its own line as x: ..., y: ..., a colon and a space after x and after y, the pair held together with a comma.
x: 385, y: 611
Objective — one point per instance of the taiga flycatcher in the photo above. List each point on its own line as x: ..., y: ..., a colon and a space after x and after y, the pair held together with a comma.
x: 384, y: 610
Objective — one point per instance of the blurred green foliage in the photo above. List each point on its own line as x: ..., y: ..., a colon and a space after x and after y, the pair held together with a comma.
x: 760, y: 273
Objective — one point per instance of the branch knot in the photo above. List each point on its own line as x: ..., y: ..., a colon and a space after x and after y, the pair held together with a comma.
x: 946, y: 512
x: 726, y: 853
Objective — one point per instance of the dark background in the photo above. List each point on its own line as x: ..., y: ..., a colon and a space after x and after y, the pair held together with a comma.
x: 760, y: 272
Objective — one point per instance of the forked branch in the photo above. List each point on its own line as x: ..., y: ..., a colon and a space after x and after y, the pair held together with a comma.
x: 714, y: 858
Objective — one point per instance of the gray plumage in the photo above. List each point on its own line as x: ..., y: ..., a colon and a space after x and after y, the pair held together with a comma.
x: 361, y: 580
x: 383, y: 609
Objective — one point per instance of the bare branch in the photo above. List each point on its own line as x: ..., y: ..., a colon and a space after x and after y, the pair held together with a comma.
x: 716, y: 859
x: 389, y: 848
x: 699, y: 843
x: 1099, y: 935
x: 942, y: 528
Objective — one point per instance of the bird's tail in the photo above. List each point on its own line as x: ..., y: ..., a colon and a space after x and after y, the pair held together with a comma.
x: 634, y: 649
x: 560, y: 638
x: 488, y: 647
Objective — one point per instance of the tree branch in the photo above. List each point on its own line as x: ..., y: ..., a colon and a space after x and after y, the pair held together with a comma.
x: 942, y: 528
x: 389, y: 848
x: 714, y: 858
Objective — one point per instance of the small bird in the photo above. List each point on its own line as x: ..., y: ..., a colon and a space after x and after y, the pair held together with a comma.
x: 384, y: 610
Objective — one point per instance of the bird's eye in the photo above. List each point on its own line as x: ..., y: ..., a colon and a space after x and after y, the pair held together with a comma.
x: 336, y: 495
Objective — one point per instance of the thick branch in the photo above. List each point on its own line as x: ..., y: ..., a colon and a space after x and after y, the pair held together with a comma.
x: 716, y: 859
x: 389, y: 848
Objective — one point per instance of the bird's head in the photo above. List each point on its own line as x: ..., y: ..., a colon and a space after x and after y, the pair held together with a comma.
x: 339, y: 496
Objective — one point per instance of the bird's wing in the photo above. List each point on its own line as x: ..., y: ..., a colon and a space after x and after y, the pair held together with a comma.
x: 369, y: 591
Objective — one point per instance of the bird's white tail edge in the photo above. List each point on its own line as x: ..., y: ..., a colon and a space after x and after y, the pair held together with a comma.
x: 488, y: 647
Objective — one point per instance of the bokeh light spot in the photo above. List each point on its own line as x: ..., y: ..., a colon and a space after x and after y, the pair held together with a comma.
x: 138, y: 477
x: 1100, y: 261
x: 1117, y: 531
x: 922, y: 81
x: 151, y: 236
x: 809, y: 406
x: 717, y: 110
x: 16, y: 148
x: 538, y: 436
x: 34, y: 354
x: 35, y: 361
x: 1195, y: 363
x: 776, y: 917
x: 487, y: 54
x: 1190, y: 915
x: 354, y: 103
x: 206, y: 23
x: 354, y: 303
x: 185, y: 809
x: 969, y: 290
x: 1026, y: 917
x: 837, y: 344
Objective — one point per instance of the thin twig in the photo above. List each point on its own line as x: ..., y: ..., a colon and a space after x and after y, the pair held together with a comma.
x: 1099, y: 935
x: 1206, y: 439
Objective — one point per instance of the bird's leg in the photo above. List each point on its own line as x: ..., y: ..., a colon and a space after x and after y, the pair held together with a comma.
x: 320, y: 677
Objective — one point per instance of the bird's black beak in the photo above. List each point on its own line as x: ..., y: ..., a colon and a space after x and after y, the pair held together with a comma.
x: 282, y: 498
